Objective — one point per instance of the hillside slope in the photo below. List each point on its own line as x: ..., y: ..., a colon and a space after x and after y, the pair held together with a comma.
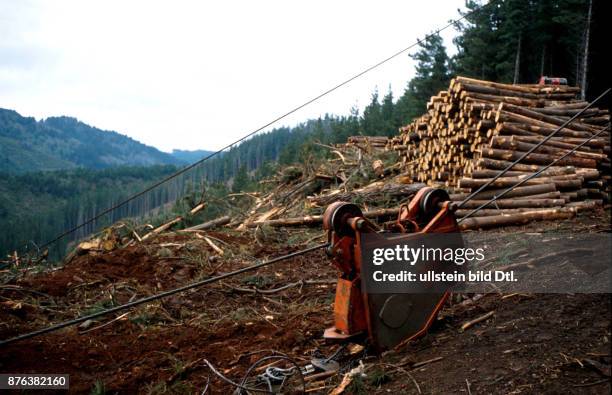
x: 190, y: 156
x: 63, y: 143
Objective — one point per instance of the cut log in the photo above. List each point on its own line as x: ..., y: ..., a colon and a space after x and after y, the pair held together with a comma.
x: 519, y: 191
x: 540, y: 159
x: 487, y: 173
x: 488, y: 212
x: 211, y: 224
x: 550, y: 119
x: 311, y: 220
x: 161, y: 228
x: 510, y: 143
x: 516, y: 219
x: 513, y: 203
x: 564, y: 181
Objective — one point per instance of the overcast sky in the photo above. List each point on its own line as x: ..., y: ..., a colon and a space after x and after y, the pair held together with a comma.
x: 198, y: 75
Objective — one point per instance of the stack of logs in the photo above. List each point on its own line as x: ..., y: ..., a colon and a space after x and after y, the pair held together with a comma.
x: 368, y: 143
x: 477, y: 128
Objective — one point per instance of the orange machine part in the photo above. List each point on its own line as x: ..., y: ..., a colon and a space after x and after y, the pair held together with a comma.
x: 349, y: 310
x: 351, y: 313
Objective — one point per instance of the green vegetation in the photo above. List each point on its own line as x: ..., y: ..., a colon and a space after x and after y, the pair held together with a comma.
x: 546, y: 37
x: 190, y: 156
x: 34, y: 207
x: 63, y: 143
x: 99, y: 388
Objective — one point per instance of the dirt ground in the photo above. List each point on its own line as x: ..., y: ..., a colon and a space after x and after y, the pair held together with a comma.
x: 529, y: 344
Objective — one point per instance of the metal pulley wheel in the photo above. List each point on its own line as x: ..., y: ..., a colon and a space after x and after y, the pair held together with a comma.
x: 336, y: 217
x: 429, y: 205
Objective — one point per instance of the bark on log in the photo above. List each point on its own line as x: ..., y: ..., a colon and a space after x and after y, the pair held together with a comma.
x: 512, y: 143
x: 540, y: 159
x: 514, y: 203
x: 489, y: 212
x: 516, y: 219
x: 551, y: 119
x: 548, y: 195
x: 487, y: 173
x: 508, y: 116
x: 311, y: 220
x: 519, y: 191
x: 547, y: 130
x: 587, y: 148
x: 211, y: 224
x: 504, y: 182
x: 496, y: 164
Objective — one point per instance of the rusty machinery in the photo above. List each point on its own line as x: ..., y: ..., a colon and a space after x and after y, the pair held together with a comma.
x: 385, y: 320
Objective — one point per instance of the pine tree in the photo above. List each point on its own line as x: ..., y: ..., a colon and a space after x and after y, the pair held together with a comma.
x: 241, y: 180
x: 432, y: 76
x: 372, y: 120
x: 387, y: 110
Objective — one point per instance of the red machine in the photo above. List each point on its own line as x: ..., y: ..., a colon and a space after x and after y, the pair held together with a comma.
x: 544, y: 80
x: 386, y: 320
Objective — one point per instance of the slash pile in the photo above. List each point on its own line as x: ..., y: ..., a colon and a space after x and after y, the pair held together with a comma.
x: 477, y: 128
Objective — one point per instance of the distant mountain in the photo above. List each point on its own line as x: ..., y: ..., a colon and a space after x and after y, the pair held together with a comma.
x: 64, y: 143
x: 190, y: 156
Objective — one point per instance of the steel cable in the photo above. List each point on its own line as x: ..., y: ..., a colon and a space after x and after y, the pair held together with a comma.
x: 159, y: 295
x: 531, y: 176
x: 278, y: 118
x: 531, y: 150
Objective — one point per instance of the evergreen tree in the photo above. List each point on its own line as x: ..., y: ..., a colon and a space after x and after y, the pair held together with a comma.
x: 432, y: 75
x: 389, y: 124
x: 542, y: 37
x: 372, y: 120
x: 241, y: 180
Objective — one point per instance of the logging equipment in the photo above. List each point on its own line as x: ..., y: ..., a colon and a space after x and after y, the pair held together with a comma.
x: 544, y: 80
x: 387, y: 320
x: 384, y: 320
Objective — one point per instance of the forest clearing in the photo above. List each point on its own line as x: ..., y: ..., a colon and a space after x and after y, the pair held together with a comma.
x: 266, y: 220
x: 492, y: 342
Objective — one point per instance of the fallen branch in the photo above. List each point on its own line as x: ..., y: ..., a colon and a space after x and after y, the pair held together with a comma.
x: 426, y: 362
x: 475, y: 321
x: 284, y: 287
x: 311, y: 220
x: 215, y: 247
x: 210, y: 224
x: 105, y: 324
x: 161, y: 228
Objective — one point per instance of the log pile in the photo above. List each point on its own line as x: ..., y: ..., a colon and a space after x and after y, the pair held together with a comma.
x: 477, y: 128
x: 368, y: 141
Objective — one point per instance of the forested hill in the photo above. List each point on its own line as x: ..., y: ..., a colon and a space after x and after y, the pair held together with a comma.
x: 190, y: 156
x: 64, y: 143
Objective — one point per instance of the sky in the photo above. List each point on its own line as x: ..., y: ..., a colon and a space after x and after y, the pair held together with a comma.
x: 201, y: 74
